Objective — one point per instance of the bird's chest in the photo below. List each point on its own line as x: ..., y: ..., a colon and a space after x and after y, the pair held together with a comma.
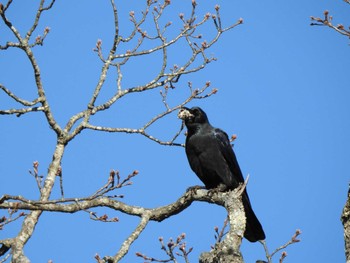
x: 200, y: 146
x: 205, y: 159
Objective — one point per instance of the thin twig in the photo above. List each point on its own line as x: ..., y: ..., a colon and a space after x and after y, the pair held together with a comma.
x: 327, y: 21
x: 18, y: 99
x: 293, y: 240
x: 19, y: 112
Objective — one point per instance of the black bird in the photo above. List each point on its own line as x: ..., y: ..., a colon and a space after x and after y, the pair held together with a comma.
x: 212, y: 158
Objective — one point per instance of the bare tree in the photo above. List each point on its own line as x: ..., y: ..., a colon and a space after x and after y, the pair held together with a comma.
x: 137, y: 44
x: 166, y: 78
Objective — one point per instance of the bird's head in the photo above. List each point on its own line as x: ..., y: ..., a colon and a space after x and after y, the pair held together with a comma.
x: 193, y: 116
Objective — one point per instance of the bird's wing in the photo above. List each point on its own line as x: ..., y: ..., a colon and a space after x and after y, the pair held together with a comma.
x: 254, y: 230
x: 194, y: 160
x: 227, y: 152
x: 206, y: 160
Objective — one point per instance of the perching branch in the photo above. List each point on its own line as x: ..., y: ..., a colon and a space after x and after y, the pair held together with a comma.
x: 230, y: 200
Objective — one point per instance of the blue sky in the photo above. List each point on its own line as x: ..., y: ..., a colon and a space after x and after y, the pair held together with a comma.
x: 283, y: 89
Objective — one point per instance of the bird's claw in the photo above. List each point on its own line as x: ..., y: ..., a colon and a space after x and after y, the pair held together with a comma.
x: 218, y: 189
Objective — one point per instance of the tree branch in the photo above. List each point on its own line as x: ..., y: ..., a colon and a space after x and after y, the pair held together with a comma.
x: 19, y: 112
x: 18, y: 99
x: 161, y: 79
x: 40, y: 10
x: 230, y: 200
x: 327, y: 21
x: 134, y: 235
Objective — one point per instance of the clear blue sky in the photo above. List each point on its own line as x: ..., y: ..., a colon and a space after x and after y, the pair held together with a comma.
x: 283, y: 89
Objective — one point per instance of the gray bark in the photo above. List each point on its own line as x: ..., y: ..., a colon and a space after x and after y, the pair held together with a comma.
x: 346, y: 224
x: 228, y: 251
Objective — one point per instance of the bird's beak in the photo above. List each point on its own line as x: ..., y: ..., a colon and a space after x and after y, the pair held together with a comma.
x: 184, y: 114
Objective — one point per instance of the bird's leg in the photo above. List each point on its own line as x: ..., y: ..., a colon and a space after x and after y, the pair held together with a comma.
x: 219, y: 188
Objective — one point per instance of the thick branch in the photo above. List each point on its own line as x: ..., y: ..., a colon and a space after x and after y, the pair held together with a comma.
x: 155, y: 214
x: 230, y: 200
x: 134, y: 235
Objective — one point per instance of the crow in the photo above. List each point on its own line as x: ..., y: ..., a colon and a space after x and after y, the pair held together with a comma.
x: 211, y: 157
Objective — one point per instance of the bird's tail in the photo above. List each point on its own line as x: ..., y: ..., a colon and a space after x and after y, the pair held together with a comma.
x: 253, y: 231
